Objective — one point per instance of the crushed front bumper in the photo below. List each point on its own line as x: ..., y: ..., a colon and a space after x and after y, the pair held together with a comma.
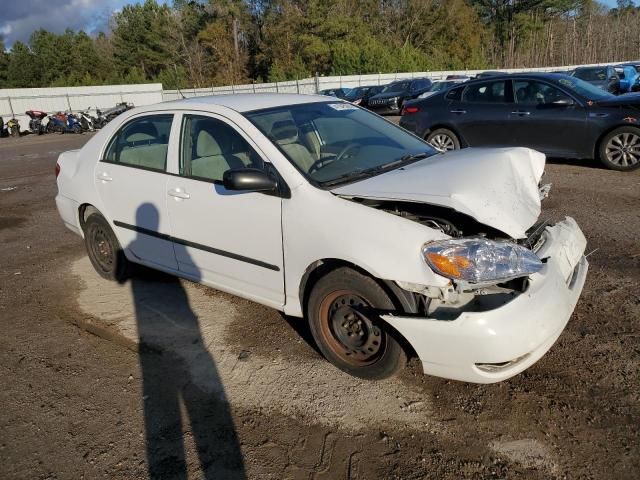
x: 493, y: 345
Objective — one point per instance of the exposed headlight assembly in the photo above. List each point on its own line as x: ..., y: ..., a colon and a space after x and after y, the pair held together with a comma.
x: 478, y: 260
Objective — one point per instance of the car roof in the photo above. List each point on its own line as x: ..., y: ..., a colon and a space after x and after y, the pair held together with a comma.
x: 245, y: 102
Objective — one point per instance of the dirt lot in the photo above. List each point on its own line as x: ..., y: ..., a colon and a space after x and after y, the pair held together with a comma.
x: 256, y: 400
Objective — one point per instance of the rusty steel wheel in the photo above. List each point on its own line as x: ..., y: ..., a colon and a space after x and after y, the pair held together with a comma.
x: 346, y: 323
x: 343, y: 312
x: 104, y: 249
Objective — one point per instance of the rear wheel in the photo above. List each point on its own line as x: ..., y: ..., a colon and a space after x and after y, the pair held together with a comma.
x: 443, y: 140
x: 620, y: 149
x: 343, y: 317
x: 104, y: 250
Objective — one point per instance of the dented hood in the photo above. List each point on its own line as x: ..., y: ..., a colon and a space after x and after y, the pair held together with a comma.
x: 498, y: 186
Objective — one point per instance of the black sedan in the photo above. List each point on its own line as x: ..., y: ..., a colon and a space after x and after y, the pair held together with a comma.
x: 559, y: 115
x: 392, y: 97
x: 361, y: 95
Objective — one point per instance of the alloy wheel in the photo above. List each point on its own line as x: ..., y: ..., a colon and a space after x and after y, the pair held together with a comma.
x: 442, y: 143
x: 624, y: 149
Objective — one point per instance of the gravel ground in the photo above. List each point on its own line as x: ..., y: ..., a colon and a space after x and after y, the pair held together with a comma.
x: 74, y: 404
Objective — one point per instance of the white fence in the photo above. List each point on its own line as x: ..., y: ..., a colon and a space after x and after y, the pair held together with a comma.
x: 14, y: 102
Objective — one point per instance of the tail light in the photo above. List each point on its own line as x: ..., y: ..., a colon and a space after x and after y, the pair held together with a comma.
x: 57, y: 169
x: 410, y: 110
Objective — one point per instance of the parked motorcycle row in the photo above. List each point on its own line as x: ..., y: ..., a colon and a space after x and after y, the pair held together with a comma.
x: 41, y: 122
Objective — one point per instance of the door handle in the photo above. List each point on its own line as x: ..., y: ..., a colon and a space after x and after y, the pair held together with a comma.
x: 459, y: 112
x: 521, y: 113
x: 179, y: 193
x: 104, y: 177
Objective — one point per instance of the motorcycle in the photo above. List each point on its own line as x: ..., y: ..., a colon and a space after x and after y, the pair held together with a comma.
x: 105, y: 116
x: 64, y: 123
x: 86, y: 121
x: 35, y: 124
x: 13, y: 128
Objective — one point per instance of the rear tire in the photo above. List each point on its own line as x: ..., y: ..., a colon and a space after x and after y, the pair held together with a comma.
x: 443, y: 140
x: 104, y: 250
x: 620, y: 149
x: 343, y: 319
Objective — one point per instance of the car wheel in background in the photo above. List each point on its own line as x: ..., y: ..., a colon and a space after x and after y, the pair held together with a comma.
x: 343, y: 317
x: 104, y: 250
x: 620, y: 149
x: 443, y: 140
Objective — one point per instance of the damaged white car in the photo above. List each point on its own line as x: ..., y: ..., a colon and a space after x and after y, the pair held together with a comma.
x: 323, y: 210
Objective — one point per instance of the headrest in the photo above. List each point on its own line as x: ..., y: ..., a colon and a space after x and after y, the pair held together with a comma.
x: 206, y: 145
x: 142, y: 132
x: 284, y: 132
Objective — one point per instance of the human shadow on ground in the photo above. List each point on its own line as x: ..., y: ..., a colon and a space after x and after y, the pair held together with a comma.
x: 179, y: 373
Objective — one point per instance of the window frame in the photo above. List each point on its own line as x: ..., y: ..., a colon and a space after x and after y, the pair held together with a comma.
x: 124, y: 125
x: 228, y: 123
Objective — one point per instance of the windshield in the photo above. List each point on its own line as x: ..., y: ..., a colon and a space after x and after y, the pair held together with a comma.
x: 336, y: 142
x: 396, y: 87
x: 584, y: 89
x: 591, y: 74
x: 355, y: 93
x: 439, y: 86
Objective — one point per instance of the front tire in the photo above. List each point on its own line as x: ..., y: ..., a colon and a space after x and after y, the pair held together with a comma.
x: 343, y: 319
x: 443, y: 140
x: 620, y: 149
x: 104, y: 250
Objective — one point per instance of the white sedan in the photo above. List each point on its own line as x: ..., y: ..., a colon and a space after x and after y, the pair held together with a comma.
x: 323, y: 210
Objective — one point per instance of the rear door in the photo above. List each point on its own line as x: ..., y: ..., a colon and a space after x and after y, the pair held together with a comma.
x: 481, y: 115
x: 547, y: 119
x: 229, y: 239
x: 131, y: 181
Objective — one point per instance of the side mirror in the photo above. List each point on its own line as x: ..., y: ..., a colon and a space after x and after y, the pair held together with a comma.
x: 249, y: 180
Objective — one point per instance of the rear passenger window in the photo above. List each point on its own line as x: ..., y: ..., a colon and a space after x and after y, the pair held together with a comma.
x: 142, y: 143
x: 490, y: 92
x: 210, y: 147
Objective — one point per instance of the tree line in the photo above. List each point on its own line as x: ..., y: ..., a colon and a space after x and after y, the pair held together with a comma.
x: 220, y: 42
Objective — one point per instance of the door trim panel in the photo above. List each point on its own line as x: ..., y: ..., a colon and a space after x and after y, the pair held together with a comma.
x: 198, y: 246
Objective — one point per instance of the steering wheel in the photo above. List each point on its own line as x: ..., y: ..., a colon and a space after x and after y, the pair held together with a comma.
x: 318, y: 164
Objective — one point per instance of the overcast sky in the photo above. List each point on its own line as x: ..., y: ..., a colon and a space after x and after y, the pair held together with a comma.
x: 19, y: 18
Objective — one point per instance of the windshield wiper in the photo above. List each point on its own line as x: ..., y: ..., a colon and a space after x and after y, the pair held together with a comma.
x: 410, y: 157
x: 359, y: 173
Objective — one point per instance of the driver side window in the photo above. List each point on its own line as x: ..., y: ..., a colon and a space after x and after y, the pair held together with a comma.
x: 210, y: 147
x: 529, y: 92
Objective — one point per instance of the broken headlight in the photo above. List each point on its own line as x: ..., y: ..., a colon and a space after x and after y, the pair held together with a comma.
x: 478, y: 260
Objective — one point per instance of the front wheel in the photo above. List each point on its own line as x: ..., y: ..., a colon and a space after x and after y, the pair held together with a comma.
x: 443, y: 140
x: 104, y: 250
x: 344, y: 321
x: 620, y: 149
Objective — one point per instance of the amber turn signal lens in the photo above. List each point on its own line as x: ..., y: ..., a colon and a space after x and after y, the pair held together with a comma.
x: 449, y: 265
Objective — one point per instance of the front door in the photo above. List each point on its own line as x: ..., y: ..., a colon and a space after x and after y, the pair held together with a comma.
x: 547, y: 119
x: 230, y: 240
x: 131, y: 180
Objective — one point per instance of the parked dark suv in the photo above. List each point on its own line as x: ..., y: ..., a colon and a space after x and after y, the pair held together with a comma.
x: 390, y: 100
x: 559, y: 115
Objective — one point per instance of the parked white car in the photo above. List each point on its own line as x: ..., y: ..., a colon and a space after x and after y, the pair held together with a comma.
x: 323, y: 210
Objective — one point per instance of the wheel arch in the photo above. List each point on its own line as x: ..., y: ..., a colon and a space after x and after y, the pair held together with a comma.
x: 84, y: 211
x: 403, y: 300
